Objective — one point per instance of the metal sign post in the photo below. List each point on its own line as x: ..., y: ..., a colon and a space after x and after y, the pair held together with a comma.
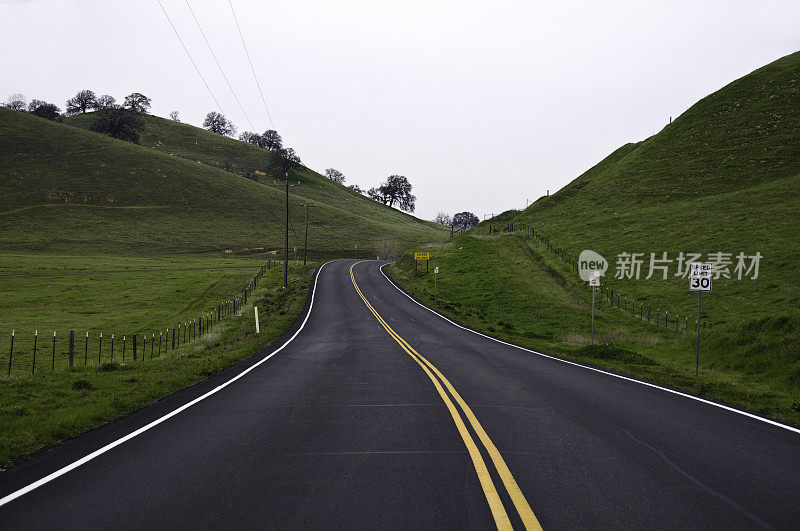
x: 699, y: 281
x: 697, y: 347
x: 594, y: 281
x: 435, y: 274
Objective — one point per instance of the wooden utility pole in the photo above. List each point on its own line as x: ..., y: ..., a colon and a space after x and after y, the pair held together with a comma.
x: 305, y: 247
x: 286, y: 237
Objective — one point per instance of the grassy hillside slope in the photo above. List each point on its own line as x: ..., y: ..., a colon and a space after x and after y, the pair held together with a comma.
x: 65, y: 188
x: 723, y: 177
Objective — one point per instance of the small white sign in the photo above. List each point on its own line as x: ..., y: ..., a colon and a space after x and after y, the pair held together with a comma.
x: 436, y: 270
x: 589, y: 261
x: 700, y: 276
x: 594, y: 278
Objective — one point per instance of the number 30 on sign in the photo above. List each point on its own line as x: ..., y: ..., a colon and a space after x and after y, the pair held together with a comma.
x: 700, y: 276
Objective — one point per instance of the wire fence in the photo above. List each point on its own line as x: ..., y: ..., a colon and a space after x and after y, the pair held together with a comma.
x: 34, y: 352
x: 657, y: 316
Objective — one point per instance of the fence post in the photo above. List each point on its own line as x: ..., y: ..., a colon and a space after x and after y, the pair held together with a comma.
x: 112, y: 348
x: 152, y: 340
x: 86, y: 351
x: 54, y: 350
x: 11, y: 355
x: 124, y: 344
x: 100, y: 350
x: 173, y: 338
x: 71, y: 347
x: 35, y: 341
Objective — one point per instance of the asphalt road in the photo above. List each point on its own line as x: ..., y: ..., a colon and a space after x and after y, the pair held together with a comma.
x: 380, y: 414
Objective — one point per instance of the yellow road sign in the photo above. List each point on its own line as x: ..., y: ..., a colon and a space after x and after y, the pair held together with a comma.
x: 422, y: 256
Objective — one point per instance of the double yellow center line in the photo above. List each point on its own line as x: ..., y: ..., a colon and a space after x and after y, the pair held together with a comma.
x: 495, y: 504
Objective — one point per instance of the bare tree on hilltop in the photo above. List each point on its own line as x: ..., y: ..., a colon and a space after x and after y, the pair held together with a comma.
x: 174, y: 116
x: 250, y: 137
x: 397, y: 189
x: 217, y: 123
x: 443, y: 218
x: 335, y: 175
x: 16, y: 102
x: 83, y: 101
x: 105, y: 102
x: 137, y: 102
x: 271, y: 140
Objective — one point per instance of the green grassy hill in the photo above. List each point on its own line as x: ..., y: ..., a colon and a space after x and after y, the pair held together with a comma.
x: 722, y: 178
x: 68, y: 189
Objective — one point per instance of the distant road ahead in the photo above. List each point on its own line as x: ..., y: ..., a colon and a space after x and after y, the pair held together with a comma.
x: 380, y: 414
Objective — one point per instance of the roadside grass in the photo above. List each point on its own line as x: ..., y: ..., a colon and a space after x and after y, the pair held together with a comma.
x: 118, y: 295
x: 511, y: 288
x: 760, y: 219
x: 42, y: 410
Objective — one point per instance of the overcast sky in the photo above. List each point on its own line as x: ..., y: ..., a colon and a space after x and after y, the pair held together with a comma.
x: 482, y: 105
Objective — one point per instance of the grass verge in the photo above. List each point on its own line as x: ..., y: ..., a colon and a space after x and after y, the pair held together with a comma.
x: 41, y: 410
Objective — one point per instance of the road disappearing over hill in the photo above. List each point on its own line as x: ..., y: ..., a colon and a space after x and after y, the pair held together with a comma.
x: 379, y: 413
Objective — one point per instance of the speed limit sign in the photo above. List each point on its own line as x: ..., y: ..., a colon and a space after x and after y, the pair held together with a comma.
x: 699, y: 281
x: 700, y: 276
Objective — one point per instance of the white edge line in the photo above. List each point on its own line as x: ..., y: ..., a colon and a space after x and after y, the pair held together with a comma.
x: 60, y: 472
x: 648, y: 384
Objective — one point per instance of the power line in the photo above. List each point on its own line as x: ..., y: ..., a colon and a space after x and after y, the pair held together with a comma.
x: 252, y: 69
x: 190, y: 57
x: 219, y: 65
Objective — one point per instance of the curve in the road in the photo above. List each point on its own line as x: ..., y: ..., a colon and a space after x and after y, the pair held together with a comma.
x: 100, y: 451
x: 495, y: 504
